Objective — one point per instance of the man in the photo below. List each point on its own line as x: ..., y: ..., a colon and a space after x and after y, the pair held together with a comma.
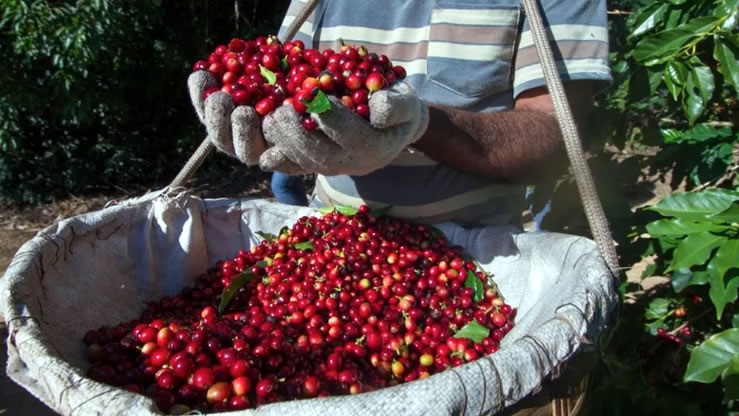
x: 482, y: 130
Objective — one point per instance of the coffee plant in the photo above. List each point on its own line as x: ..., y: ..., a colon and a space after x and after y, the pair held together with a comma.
x: 673, y: 102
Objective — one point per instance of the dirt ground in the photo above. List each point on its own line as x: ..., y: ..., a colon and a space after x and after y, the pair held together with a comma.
x: 18, y: 225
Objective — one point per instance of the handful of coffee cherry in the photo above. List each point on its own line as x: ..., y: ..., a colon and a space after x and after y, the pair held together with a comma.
x: 265, y: 73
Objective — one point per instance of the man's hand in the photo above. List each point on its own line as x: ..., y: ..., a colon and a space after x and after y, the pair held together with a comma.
x: 344, y: 143
x: 234, y: 131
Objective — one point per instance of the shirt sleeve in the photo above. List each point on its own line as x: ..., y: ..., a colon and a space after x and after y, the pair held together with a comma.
x: 578, y: 34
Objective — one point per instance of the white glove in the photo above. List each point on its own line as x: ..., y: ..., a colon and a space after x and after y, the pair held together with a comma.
x: 234, y: 131
x: 345, y: 143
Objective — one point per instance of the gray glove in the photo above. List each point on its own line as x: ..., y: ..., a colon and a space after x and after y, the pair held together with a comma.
x: 234, y: 131
x: 345, y: 143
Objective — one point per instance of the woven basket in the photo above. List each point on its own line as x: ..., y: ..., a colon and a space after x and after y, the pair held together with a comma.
x: 101, y: 268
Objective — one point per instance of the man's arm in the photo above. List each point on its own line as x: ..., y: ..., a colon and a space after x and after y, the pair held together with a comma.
x: 521, y: 145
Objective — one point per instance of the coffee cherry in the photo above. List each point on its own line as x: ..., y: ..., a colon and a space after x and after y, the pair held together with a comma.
x: 342, y: 73
x: 353, y: 82
x: 203, y: 378
x: 375, y: 82
x: 218, y: 392
x: 241, y: 96
x: 309, y: 123
x: 375, y: 302
x: 264, y: 106
x: 241, y: 385
x: 200, y: 66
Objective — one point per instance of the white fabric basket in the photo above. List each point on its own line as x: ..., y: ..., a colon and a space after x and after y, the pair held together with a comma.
x: 102, y: 267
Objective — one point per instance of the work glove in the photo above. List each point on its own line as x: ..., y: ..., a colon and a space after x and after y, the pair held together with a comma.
x: 234, y: 130
x: 344, y: 142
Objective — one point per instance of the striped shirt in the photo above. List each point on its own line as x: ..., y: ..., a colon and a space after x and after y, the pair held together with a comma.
x: 475, y: 55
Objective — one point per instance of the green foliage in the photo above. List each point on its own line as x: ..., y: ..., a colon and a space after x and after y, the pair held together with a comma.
x: 93, y: 92
x: 473, y: 331
x: 701, y: 240
x: 700, y: 237
x: 716, y: 356
x: 675, y: 85
x: 673, y: 100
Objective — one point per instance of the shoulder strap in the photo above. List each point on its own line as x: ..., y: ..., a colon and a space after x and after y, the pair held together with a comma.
x: 573, y: 144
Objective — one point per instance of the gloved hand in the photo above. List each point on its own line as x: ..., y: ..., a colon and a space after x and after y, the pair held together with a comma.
x: 345, y: 143
x: 234, y: 130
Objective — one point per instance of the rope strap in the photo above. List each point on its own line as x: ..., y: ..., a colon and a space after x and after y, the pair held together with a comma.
x: 585, y: 183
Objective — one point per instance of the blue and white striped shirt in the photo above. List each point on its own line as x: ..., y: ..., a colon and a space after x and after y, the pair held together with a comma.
x: 476, y: 55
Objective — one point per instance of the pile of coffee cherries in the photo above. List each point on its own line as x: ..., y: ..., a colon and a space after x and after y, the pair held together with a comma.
x: 342, y: 303
x: 265, y: 73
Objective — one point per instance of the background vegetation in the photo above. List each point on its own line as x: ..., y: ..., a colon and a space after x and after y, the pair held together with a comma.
x: 672, y: 110
x: 93, y: 96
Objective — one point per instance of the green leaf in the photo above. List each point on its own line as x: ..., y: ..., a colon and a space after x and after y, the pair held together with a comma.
x: 720, y: 294
x: 730, y: 379
x: 700, y: 277
x: 693, y: 104
x: 675, y: 74
x: 475, y: 284
x: 727, y: 56
x: 726, y: 7
x: 651, y: 21
x: 735, y: 320
x: 727, y: 257
x: 346, y: 210
x: 698, y: 134
x: 284, y: 65
x: 266, y: 236
x: 319, y: 104
x: 730, y: 11
x: 677, y: 226
x: 326, y: 210
x: 474, y: 331
x: 663, y: 45
x: 641, y: 82
x: 671, y: 136
x: 652, y: 327
x: 680, y: 279
x: 236, y: 284
x: 264, y: 263
x: 268, y: 75
x: 729, y: 216
x: 712, y: 357
x: 698, y: 91
x: 695, y: 250
x: 675, y: 17
x: 658, y: 308
x: 654, y: 78
x: 304, y: 245
x: 695, y: 205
